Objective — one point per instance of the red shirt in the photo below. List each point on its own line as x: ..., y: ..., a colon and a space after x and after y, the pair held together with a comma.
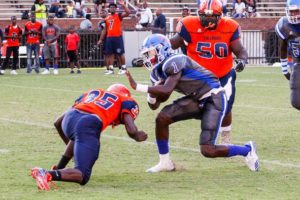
x: 33, y: 38
x: 114, y: 25
x: 13, y: 31
x: 72, y: 41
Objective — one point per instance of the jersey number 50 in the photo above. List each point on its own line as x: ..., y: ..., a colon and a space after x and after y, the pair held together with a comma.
x: 205, y: 49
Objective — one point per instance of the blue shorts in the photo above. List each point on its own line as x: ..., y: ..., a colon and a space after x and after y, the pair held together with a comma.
x: 114, y: 45
x: 84, y: 129
x: 228, y: 83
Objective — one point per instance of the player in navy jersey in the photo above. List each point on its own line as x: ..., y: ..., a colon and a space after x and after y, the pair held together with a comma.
x: 288, y: 31
x: 203, y: 99
x: 82, y: 126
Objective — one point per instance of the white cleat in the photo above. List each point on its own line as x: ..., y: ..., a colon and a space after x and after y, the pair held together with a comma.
x: 108, y: 72
x: 162, y: 167
x: 13, y: 72
x: 55, y: 71
x: 2, y: 71
x: 122, y: 71
x: 251, y: 159
x: 46, y: 72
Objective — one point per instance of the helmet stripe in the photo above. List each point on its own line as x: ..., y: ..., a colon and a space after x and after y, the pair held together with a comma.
x: 209, y: 5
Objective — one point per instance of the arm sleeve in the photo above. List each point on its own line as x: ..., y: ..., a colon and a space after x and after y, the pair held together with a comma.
x: 183, y: 32
x: 129, y: 107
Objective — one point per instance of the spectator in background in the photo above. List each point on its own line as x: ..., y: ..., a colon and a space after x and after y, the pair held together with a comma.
x: 160, y: 24
x: 146, y: 16
x: 79, y: 8
x: 51, y: 33
x: 1, y: 40
x: 224, y: 7
x: 198, y: 2
x: 54, y: 6
x: 69, y: 9
x: 33, y: 33
x: 13, y: 34
x: 40, y: 10
x: 101, y: 27
x: 72, y: 45
x: 86, y: 24
x: 98, y: 6
x: 185, y: 12
x: 239, y: 10
x: 114, y: 40
x: 250, y: 8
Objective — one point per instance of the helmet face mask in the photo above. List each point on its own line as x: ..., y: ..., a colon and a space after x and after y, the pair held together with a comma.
x: 156, y: 48
x: 210, y: 12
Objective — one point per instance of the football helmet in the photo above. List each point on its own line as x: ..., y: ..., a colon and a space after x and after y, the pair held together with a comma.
x: 119, y: 89
x: 156, y: 48
x: 210, y: 12
x: 293, y: 11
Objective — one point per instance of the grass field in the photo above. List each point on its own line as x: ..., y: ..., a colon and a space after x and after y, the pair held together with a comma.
x: 262, y: 112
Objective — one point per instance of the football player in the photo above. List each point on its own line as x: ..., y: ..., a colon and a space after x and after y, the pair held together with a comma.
x: 82, y: 126
x: 288, y: 31
x: 211, y: 39
x: 204, y: 99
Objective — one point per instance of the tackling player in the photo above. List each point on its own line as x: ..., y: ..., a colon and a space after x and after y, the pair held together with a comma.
x: 82, y: 126
x: 203, y: 99
x: 288, y: 31
x: 211, y: 39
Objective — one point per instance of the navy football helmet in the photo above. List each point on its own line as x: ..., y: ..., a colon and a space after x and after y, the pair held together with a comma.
x: 156, y: 48
x: 293, y: 11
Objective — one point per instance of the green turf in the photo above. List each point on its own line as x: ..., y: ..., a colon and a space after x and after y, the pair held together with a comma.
x: 262, y: 112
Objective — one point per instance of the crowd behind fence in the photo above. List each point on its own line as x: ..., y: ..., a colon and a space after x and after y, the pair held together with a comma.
x: 262, y: 47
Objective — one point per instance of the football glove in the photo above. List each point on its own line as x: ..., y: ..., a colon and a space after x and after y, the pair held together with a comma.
x: 239, y: 65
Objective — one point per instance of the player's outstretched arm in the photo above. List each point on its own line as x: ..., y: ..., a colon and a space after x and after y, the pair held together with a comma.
x: 176, y: 41
x: 57, y: 125
x: 132, y: 130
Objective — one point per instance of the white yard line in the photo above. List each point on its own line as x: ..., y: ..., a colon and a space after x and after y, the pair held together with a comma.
x: 270, y: 162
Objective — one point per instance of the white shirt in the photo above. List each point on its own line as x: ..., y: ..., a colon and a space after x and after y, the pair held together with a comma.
x: 240, y: 7
x: 146, y: 16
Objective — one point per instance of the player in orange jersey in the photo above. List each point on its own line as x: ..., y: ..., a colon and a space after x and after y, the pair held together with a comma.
x: 82, y: 125
x: 114, y: 44
x: 211, y: 39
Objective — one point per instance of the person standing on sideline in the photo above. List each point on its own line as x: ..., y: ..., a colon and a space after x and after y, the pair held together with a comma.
x: 72, y: 45
x: 51, y: 33
x: 211, y: 41
x: 114, y: 40
x: 13, y: 34
x: 288, y: 31
x: 160, y: 23
x: 40, y: 10
x: 33, y: 33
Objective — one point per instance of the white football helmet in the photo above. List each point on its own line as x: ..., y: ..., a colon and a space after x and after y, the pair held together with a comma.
x: 293, y: 11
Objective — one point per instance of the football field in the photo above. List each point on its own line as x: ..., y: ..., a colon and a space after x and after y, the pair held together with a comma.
x: 262, y: 112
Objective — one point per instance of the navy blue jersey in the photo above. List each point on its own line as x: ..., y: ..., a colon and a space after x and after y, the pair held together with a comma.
x: 194, y: 78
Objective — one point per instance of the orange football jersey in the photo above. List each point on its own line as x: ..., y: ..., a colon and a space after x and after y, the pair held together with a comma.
x: 114, y: 25
x: 210, y: 48
x: 109, y: 107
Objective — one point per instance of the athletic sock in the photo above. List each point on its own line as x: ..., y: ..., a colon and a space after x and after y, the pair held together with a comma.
x: 234, y: 150
x: 55, y: 66
x: 56, y: 175
x: 163, y: 146
x: 47, y: 67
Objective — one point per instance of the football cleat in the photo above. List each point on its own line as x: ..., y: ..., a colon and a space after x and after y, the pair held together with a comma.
x: 166, y: 166
x: 108, y: 72
x: 251, y: 159
x: 45, y: 72
x: 42, y: 178
x: 2, y: 71
x: 122, y: 71
x: 55, y: 71
x: 13, y: 72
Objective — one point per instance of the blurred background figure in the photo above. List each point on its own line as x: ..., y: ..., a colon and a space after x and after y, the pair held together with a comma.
x: 87, y: 23
x: 40, y: 10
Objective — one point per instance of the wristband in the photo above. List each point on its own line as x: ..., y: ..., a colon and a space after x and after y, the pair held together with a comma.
x: 284, y: 66
x: 141, y: 88
x: 150, y: 99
